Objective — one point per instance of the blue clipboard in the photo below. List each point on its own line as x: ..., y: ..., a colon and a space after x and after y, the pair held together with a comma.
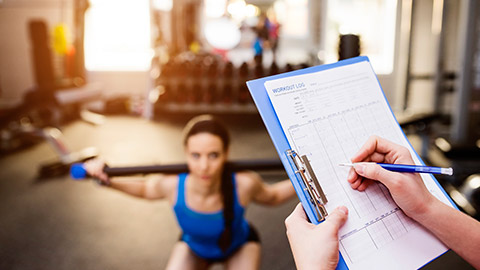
x: 267, y: 112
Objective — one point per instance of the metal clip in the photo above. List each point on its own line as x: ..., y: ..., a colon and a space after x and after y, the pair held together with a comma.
x: 310, y: 181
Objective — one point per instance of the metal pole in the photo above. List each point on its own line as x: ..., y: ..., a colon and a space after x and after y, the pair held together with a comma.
x: 439, y: 74
x: 409, y: 58
x: 466, y: 49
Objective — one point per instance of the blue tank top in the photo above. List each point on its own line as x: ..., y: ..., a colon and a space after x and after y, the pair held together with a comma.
x: 201, y: 231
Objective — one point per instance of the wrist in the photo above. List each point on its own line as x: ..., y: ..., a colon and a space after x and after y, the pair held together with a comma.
x: 318, y: 261
x: 106, y: 183
x: 428, y: 211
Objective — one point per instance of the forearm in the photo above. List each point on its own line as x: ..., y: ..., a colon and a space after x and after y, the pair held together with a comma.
x: 134, y: 188
x: 455, y: 229
x: 283, y: 191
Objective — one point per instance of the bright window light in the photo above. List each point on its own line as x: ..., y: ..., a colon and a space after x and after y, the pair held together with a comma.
x: 293, y: 16
x: 165, y: 5
x: 215, y: 8
x: 222, y: 33
x: 117, y: 35
x: 252, y: 10
x: 377, y: 33
x: 237, y: 9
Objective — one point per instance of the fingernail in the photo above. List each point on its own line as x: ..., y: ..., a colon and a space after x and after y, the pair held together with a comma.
x: 360, y: 168
x: 350, y: 175
x: 343, y: 209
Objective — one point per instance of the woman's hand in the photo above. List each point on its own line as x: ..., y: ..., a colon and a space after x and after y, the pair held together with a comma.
x: 315, y: 246
x: 94, y: 167
x: 407, y: 189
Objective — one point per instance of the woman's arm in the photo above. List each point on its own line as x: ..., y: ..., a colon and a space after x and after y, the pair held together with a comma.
x: 455, y: 229
x: 152, y: 188
x: 458, y: 231
x: 270, y: 194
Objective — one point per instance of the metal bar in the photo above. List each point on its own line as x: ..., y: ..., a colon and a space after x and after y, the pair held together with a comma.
x: 239, y: 165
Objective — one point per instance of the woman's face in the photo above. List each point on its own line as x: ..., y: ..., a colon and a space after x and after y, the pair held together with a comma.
x: 205, y: 157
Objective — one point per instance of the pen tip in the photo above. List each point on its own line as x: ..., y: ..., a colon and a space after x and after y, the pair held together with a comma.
x: 345, y: 164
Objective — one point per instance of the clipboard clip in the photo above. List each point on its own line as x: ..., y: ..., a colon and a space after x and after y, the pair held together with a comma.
x: 310, y: 182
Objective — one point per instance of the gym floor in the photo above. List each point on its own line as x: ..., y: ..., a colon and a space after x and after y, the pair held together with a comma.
x: 59, y: 223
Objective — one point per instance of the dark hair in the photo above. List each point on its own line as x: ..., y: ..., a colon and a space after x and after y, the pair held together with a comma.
x: 211, y: 125
x: 206, y: 124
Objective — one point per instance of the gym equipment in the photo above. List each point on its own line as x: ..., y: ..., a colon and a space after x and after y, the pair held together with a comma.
x: 349, y: 46
x: 206, y: 83
x: 23, y: 133
x: 289, y: 67
x: 50, y: 103
x: 77, y: 171
x: 421, y: 125
x: 274, y: 69
x: 258, y: 71
x: 228, y: 70
x: 471, y: 192
x: 60, y: 167
x: 243, y: 71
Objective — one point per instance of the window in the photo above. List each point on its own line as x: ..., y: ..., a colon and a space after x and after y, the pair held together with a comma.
x: 293, y: 16
x: 373, y: 20
x: 117, y: 35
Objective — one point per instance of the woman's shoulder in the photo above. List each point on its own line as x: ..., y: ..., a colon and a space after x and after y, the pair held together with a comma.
x: 165, y: 177
x: 163, y: 186
x: 167, y: 181
x: 248, y: 183
x: 170, y: 177
x: 247, y: 175
x: 246, y: 179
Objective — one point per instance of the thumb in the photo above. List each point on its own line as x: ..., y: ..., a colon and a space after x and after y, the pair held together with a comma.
x: 338, y: 217
x: 296, y: 219
x: 297, y: 216
x: 375, y: 172
x: 298, y: 212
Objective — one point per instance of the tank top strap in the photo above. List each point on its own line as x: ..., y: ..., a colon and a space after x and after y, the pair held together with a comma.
x: 181, y: 189
x: 236, y: 200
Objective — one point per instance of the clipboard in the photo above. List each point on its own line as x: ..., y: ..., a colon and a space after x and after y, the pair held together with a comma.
x: 297, y: 167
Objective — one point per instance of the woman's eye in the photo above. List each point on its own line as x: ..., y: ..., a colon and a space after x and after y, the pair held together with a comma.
x: 195, y: 155
x: 213, y: 155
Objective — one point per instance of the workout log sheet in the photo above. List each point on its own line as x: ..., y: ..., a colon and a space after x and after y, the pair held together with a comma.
x: 328, y: 116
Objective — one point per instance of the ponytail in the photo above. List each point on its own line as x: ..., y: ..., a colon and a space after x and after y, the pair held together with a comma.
x: 228, y: 212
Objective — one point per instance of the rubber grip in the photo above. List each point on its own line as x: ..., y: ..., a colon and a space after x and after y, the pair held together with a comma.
x: 77, y: 171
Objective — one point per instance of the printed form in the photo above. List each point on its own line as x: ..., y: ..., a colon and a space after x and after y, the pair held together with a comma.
x: 328, y: 116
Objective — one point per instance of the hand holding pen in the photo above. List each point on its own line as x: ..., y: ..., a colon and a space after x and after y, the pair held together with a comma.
x: 456, y: 230
x: 408, y: 168
x: 407, y: 189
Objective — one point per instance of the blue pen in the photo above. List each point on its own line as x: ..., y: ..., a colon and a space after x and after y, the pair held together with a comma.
x: 409, y: 168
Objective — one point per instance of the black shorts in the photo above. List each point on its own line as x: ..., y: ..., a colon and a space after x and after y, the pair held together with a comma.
x: 253, y: 234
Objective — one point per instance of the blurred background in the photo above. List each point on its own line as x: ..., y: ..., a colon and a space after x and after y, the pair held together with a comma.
x: 119, y: 79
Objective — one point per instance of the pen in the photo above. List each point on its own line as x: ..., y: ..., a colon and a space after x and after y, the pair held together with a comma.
x: 409, y: 168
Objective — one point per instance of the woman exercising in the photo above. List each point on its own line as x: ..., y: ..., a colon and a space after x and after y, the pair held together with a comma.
x: 209, y: 201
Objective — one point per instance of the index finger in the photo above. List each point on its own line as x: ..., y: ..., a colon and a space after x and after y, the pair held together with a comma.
x: 374, y: 145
